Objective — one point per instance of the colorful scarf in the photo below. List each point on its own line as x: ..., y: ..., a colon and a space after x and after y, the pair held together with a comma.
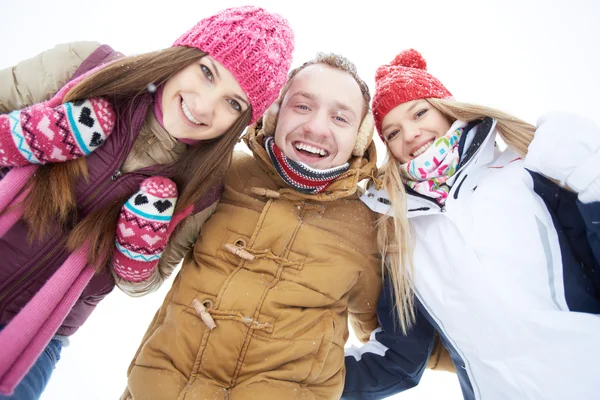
x: 299, y: 175
x: 427, y: 174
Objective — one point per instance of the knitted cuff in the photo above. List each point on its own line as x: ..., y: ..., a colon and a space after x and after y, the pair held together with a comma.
x: 591, y: 193
x: 42, y: 134
x: 143, y: 229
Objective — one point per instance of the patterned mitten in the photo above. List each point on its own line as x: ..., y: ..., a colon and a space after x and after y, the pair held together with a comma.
x: 43, y: 134
x: 143, y: 229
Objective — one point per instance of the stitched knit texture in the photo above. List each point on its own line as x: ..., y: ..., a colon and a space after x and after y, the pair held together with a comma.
x: 253, y: 44
x: 143, y: 229
x: 43, y: 134
x: 403, y: 80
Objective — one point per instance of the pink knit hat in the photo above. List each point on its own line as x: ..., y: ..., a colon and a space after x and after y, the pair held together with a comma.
x: 252, y: 43
x: 404, y: 79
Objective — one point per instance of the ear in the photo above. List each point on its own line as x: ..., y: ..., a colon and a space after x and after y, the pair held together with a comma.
x: 270, y: 119
x: 365, y: 135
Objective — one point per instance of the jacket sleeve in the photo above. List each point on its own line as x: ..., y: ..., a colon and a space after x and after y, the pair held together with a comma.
x: 38, y: 78
x: 174, y: 252
x: 574, y: 164
x: 362, y: 303
x: 577, y: 221
x: 591, y: 218
x: 390, y: 362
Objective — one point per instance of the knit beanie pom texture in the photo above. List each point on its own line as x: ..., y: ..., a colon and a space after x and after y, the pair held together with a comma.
x: 403, y: 80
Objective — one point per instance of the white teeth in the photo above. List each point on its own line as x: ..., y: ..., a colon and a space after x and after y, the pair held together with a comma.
x: 422, y: 149
x: 311, y: 149
x: 188, y: 114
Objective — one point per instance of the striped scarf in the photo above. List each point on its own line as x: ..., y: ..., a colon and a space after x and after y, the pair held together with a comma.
x: 299, y: 175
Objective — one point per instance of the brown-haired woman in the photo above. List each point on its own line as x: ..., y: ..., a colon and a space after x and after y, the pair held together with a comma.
x: 177, y: 112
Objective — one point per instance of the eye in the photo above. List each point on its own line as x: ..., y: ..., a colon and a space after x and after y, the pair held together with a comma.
x: 303, y: 107
x: 340, y: 119
x: 207, y: 72
x: 419, y: 114
x: 391, y: 135
x: 235, y: 105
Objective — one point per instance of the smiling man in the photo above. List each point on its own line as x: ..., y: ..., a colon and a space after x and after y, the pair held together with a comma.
x: 319, y: 118
x: 287, y: 256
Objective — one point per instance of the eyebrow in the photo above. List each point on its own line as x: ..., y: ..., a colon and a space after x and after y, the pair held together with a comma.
x: 344, y: 107
x: 240, y: 98
x: 307, y: 95
x: 408, y: 111
x: 338, y: 104
x: 235, y: 96
x: 215, y: 68
x: 411, y: 108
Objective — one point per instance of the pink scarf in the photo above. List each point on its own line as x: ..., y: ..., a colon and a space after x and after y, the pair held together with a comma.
x: 29, y: 332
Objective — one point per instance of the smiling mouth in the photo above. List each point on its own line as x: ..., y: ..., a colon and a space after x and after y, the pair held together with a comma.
x: 422, y: 149
x: 310, y: 151
x: 188, y: 114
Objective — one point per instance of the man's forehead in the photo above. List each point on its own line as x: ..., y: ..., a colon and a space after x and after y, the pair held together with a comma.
x: 316, y: 71
x: 317, y: 80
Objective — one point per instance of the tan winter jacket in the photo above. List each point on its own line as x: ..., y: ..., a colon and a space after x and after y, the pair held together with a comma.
x: 37, y: 79
x: 280, y: 273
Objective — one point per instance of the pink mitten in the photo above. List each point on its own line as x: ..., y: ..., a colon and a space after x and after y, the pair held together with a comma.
x: 143, y: 229
x: 42, y: 134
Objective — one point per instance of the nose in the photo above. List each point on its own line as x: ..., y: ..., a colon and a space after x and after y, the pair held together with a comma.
x: 317, y: 125
x: 203, y: 107
x: 413, y: 132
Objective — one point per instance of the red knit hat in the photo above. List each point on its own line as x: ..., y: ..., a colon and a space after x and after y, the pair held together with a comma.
x: 252, y: 43
x: 404, y: 79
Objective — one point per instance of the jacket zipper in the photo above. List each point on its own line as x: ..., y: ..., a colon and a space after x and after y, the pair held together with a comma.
x: 422, y: 196
x: 31, y: 270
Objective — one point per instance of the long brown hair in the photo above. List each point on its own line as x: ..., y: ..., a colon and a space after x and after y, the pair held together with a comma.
x: 394, y: 236
x: 199, y: 169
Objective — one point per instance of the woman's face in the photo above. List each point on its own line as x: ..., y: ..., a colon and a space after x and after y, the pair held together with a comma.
x: 411, y: 128
x: 202, y: 101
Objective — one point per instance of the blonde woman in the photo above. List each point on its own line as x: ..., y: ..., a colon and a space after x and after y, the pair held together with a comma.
x: 495, y: 250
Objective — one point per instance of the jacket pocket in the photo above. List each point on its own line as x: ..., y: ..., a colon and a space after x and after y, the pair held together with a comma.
x: 174, y: 344
x: 297, y: 356
x: 321, y: 355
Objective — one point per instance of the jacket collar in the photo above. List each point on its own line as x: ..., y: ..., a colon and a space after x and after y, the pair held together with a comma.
x: 346, y: 185
x: 167, y: 141
x: 480, y: 150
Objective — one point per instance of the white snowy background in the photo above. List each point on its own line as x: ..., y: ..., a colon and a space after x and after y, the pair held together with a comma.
x: 525, y: 57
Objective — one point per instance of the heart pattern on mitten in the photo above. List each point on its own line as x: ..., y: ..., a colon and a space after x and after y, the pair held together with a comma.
x: 142, y: 232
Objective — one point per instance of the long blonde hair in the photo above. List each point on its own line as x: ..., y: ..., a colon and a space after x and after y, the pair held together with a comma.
x: 394, y: 236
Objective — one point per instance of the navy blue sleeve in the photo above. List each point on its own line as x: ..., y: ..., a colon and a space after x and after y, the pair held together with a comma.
x: 578, y: 224
x: 390, y: 362
x: 591, y: 217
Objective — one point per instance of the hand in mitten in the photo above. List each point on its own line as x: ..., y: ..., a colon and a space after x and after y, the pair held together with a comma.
x: 42, y: 134
x: 566, y: 148
x: 143, y: 229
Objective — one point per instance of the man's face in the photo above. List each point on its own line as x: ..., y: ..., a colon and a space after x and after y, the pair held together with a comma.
x: 319, y: 117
